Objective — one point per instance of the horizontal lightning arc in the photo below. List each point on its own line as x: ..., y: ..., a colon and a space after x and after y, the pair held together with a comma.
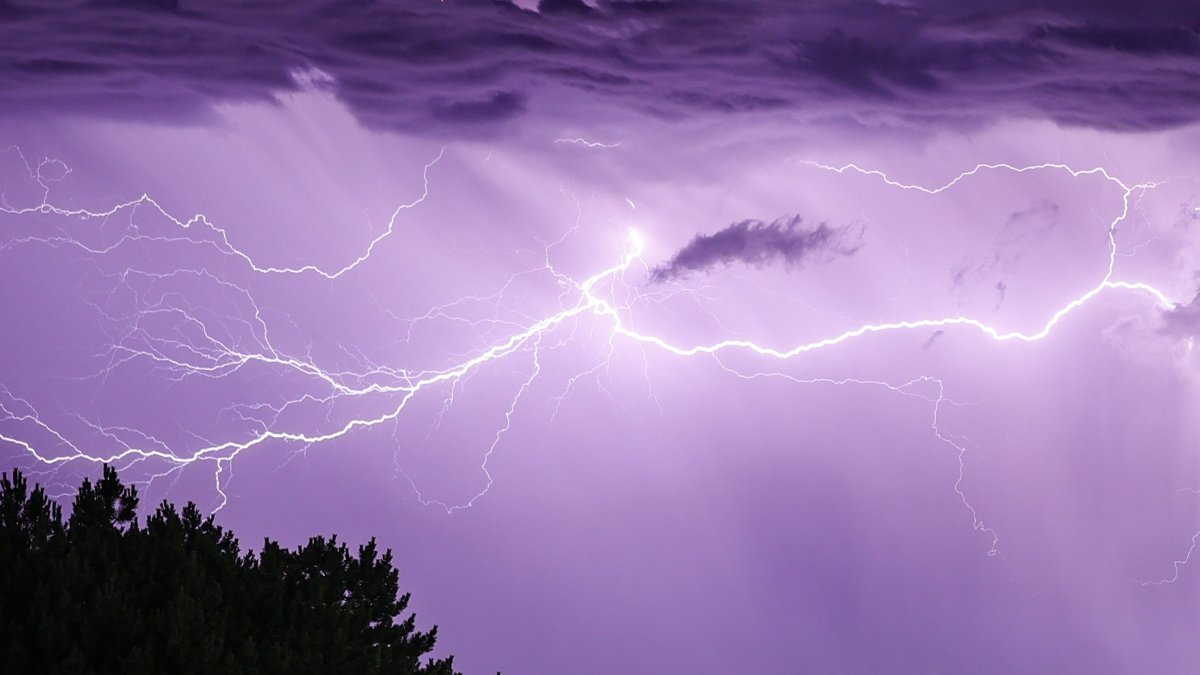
x: 588, y: 300
x: 996, y: 334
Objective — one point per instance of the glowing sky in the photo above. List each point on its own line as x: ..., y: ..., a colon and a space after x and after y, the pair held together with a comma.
x: 700, y: 337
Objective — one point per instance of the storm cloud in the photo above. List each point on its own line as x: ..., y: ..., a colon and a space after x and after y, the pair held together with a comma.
x: 755, y: 242
x: 472, y: 67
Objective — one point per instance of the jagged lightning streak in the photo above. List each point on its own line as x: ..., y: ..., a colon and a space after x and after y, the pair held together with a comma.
x: 210, y: 356
x: 199, y: 219
x: 588, y: 144
x: 1177, y: 565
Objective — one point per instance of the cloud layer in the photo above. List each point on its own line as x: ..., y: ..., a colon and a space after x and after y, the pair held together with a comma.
x: 467, y: 67
x: 754, y: 242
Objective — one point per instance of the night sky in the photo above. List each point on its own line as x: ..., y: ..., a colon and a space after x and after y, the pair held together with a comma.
x: 671, y: 336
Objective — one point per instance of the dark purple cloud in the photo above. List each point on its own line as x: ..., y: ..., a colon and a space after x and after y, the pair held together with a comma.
x: 477, y: 66
x: 499, y: 106
x: 755, y: 242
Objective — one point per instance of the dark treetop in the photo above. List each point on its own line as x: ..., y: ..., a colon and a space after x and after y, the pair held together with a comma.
x: 100, y: 593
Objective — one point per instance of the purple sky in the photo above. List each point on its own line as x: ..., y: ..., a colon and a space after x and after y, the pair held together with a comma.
x: 697, y: 337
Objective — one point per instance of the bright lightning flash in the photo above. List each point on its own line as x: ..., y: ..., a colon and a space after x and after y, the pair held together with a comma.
x: 205, y: 352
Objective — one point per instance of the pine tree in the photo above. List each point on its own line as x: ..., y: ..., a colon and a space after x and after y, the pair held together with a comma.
x: 100, y: 594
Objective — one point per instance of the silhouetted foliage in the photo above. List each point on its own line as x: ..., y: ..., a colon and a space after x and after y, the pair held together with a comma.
x: 101, y: 594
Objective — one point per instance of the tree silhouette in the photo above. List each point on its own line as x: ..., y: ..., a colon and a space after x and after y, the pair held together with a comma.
x: 101, y: 594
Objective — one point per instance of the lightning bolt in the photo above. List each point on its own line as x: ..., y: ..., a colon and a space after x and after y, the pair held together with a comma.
x: 1177, y: 565
x: 200, y: 346
x: 588, y: 144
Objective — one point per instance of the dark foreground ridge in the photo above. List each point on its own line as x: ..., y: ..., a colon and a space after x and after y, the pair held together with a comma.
x: 99, y: 593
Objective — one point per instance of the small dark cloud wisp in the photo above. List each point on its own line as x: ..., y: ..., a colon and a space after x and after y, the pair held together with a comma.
x: 756, y: 242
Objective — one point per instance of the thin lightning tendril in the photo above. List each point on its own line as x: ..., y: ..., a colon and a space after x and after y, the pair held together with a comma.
x: 1177, y: 565
x: 588, y: 144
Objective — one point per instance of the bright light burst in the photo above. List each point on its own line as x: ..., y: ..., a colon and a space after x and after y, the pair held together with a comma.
x: 197, y: 348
